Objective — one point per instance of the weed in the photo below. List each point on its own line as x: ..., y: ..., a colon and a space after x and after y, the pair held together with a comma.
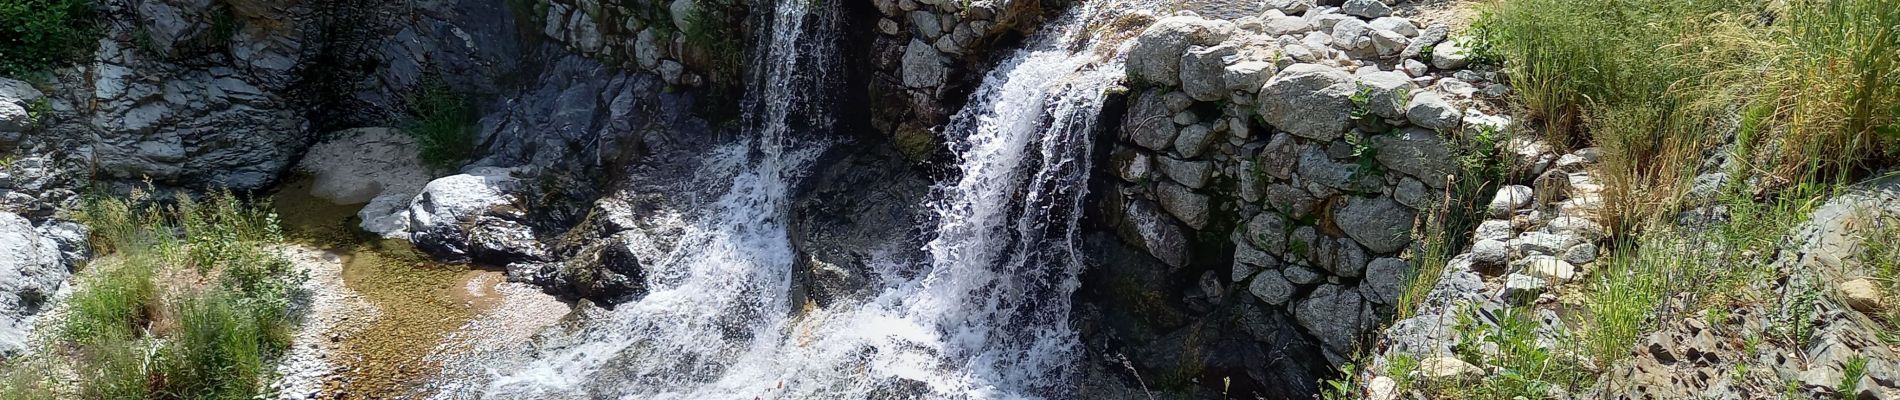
x: 443, y: 124
x: 1850, y: 377
x: 41, y: 34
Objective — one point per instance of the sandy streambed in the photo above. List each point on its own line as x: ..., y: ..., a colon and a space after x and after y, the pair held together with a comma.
x: 384, y: 319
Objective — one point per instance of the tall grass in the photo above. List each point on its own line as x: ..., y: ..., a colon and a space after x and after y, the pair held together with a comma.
x: 190, y: 304
x: 1443, y: 230
x: 1834, y: 85
x: 443, y: 124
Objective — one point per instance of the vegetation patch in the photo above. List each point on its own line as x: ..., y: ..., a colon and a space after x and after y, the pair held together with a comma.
x: 39, y: 34
x: 443, y: 123
x: 189, y: 303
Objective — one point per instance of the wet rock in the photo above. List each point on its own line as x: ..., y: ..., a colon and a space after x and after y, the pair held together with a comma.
x: 1144, y: 226
x: 473, y: 217
x: 1310, y: 100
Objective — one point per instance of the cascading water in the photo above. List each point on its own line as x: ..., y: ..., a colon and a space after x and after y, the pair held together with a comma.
x: 986, y: 317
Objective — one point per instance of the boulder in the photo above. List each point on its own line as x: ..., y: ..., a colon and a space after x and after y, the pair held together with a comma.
x: 1193, y: 140
x: 1451, y: 54
x: 1310, y: 100
x: 473, y: 217
x: 923, y: 67
x: 1416, y: 152
x: 357, y: 165
x: 1267, y: 231
x: 1379, y: 223
x: 1387, y: 92
x: 1155, y: 58
x: 1271, y: 287
x: 1148, y: 122
x: 1523, y: 289
x: 1431, y: 111
x: 31, y: 272
x: 16, y: 98
x: 1193, y: 174
x: 1143, y: 225
x: 1548, y: 268
x: 1182, y: 203
x: 1490, y: 253
x: 1366, y: 8
x: 1508, y: 199
x: 1385, y: 280
x: 1862, y: 294
x: 1336, y: 315
x: 1448, y: 369
x: 1203, y: 72
x: 1401, y: 25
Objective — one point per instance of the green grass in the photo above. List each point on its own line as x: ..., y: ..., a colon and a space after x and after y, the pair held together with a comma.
x: 189, y: 304
x: 39, y: 34
x: 443, y: 123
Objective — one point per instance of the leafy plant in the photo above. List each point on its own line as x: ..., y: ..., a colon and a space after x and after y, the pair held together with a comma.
x: 39, y: 34
x: 443, y: 123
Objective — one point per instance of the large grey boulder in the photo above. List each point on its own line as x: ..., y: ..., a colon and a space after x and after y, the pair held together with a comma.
x: 1431, y: 111
x: 1387, y: 92
x: 1337, y: 315
x: 1189, y: 207
x: 1385, y: 280
x: 473, y: 217
x: 1416, y: 152
x: 379, y: 166
x: 16, y: 98
x: 31, y: 271
x: 923, y: 66
x: 1155, y: 58
x: 1379, y: 223
x: 1147, y: 227
x: 1149, y: 122
x: 1310, y: 100
x: 1203, y: 72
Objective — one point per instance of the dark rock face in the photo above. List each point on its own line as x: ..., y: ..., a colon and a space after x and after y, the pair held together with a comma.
x: 863, y: 203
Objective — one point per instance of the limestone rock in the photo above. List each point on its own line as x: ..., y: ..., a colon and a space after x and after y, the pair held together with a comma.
x: 1385, y: 280
x: 1548, y: 268
x: 1271, y: 287
x: 1310, y: 100
x: 1380, y: 224
x: 1862, y: 294
x: 1388, y: 92
x: 923, y: 66
x: 1189, y: 207
x: 1156, y: 55
x: 31, y: 272
x: 1451, y: 54
x: 1508, y: 199
x: 1203, y: 72
x: 1429, y: 110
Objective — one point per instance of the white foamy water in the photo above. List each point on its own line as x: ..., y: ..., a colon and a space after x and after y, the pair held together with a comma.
x: 987, y: 316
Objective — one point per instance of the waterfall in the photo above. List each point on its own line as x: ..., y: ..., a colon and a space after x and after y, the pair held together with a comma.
x: 987, y: 316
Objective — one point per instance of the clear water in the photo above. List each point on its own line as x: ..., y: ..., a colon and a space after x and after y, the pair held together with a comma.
x: 986, y: 317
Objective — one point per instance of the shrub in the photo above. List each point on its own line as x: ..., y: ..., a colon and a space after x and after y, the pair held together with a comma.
x: 134, y: 338
x: 37, y: 34
x: 443, y: 124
